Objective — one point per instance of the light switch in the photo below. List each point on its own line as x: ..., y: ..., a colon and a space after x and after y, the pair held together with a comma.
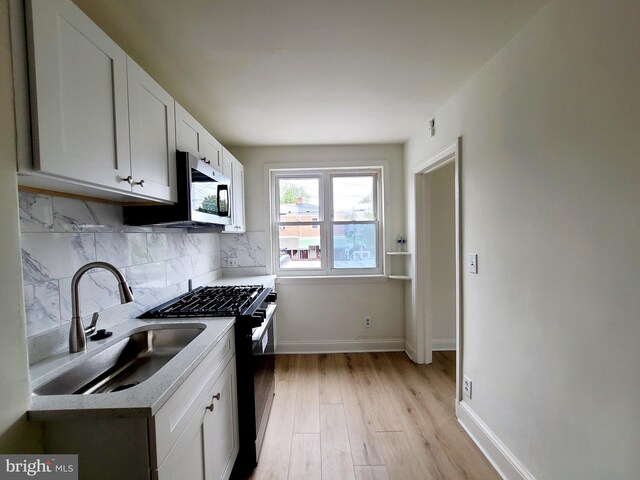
x: 473, y: 263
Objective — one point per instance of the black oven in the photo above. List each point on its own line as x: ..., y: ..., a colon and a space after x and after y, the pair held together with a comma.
x: 263, y: 361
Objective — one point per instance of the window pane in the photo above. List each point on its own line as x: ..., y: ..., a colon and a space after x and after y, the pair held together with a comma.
x: 299, y: 199
x: 354, y: 245
x: 299, y: 246
x: 353, y: 198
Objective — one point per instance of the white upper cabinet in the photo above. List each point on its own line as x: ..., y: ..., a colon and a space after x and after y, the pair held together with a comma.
x: 79, y: 97
x: 189, y: 133
x: 192, y: 137
x: 212, y: 151
x: 101, y: 125
x: 152, y: 134
x: 235, y: 170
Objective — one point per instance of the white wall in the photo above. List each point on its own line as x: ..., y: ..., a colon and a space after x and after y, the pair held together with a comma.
x: 322, y: 315
x: 16, y: 435
x: 442, y: 238
x: 550, y: 190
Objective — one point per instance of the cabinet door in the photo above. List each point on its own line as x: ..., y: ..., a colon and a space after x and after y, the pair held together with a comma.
x: 153, y: 136
x: 220, y: 426
x: 238, y: 196
x: 189, y: 133
x: 186, y: 460
x: 227, y: 162
x: 213, y: 151
x: 237, y: 193
x: 79, y: 97
x: 209, y: 445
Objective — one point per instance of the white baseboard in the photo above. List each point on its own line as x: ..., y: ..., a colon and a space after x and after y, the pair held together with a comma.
x: 443, y: 344
x: 507, y: 465
x: 410, y: 351
x: 341, y: 346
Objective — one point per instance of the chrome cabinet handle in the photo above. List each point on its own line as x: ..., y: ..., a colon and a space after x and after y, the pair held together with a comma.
x: 215, y: 397
x: 129, y: 179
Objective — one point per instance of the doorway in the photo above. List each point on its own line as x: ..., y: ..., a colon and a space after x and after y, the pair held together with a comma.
x: 437, y: 290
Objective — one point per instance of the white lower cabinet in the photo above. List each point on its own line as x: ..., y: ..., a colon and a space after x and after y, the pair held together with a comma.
x: 209, y: 445
x: 193, y: 436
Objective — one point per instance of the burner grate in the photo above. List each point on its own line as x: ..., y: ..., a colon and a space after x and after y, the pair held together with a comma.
x: 210, y: 302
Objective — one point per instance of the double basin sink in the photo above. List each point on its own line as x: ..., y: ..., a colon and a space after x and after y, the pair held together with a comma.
x: 124, y: 364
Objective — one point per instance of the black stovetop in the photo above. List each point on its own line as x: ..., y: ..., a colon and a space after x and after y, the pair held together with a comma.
x: 227, y: 301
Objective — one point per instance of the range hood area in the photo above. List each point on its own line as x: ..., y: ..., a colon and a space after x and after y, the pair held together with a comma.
x: 203, y: 201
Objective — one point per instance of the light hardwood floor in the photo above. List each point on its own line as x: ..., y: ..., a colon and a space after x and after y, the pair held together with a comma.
x: 364, y: 416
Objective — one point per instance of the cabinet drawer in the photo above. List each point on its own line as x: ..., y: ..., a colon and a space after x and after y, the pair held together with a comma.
x: 167, y: 425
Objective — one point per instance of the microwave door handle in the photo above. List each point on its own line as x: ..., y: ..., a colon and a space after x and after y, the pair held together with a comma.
x: 221, y: 212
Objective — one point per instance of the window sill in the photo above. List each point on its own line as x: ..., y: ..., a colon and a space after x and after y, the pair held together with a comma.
x: 331, y: 279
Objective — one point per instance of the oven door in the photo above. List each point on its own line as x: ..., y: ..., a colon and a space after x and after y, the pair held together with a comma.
x: 263, y: 360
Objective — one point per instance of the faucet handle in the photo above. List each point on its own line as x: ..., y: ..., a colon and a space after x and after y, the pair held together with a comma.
x: 92, y: 326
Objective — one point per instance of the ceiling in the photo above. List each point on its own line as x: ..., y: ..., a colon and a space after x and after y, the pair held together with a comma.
x: 303, y: 72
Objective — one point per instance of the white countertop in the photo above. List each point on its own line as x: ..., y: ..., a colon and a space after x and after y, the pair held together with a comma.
x: 144, y: 399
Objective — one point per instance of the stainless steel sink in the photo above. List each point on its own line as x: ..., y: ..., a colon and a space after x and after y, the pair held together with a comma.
x: 123, y: 365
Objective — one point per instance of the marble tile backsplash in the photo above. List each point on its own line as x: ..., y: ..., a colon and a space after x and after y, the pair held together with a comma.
x: 59, y: 235
x: 248, y: 249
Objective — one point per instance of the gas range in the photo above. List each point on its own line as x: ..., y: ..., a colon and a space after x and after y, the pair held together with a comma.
x: 244, y: 302
x: 253, y: 307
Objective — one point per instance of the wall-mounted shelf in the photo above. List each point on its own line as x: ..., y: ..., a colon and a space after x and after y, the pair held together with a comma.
x: 398, y: 267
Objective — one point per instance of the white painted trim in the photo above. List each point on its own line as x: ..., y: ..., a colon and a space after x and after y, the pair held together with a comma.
x: 505, y: 462
x: 421, y: 262
x: 17, y: 27
x: 332, y: 280
x: 341, y: 346
x: 443, y: 344
x: 410, y: 351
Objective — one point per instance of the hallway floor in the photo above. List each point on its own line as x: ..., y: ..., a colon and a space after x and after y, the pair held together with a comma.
x: 367, y: 416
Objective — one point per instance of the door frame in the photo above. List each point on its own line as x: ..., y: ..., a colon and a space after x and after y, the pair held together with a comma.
x: 422, y: 262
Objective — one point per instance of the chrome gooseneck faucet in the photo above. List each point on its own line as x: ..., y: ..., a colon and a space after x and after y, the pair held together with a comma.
x: 78, y: 333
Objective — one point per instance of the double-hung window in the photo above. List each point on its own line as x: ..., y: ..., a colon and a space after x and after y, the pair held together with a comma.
x: 327, y: 222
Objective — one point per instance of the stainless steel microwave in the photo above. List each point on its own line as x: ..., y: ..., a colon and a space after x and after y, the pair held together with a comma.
x: 203, y: 199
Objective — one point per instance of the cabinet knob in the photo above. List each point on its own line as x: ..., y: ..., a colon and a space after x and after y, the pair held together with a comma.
x: 211, y: 405
x: 130, y: 180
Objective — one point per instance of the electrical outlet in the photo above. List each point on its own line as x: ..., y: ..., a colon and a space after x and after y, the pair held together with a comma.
x: 466, y: 387
x: 367, y: 322
x: 231, y: 262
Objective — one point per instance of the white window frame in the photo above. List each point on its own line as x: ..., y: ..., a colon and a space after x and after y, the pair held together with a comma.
x: 325, y: 220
